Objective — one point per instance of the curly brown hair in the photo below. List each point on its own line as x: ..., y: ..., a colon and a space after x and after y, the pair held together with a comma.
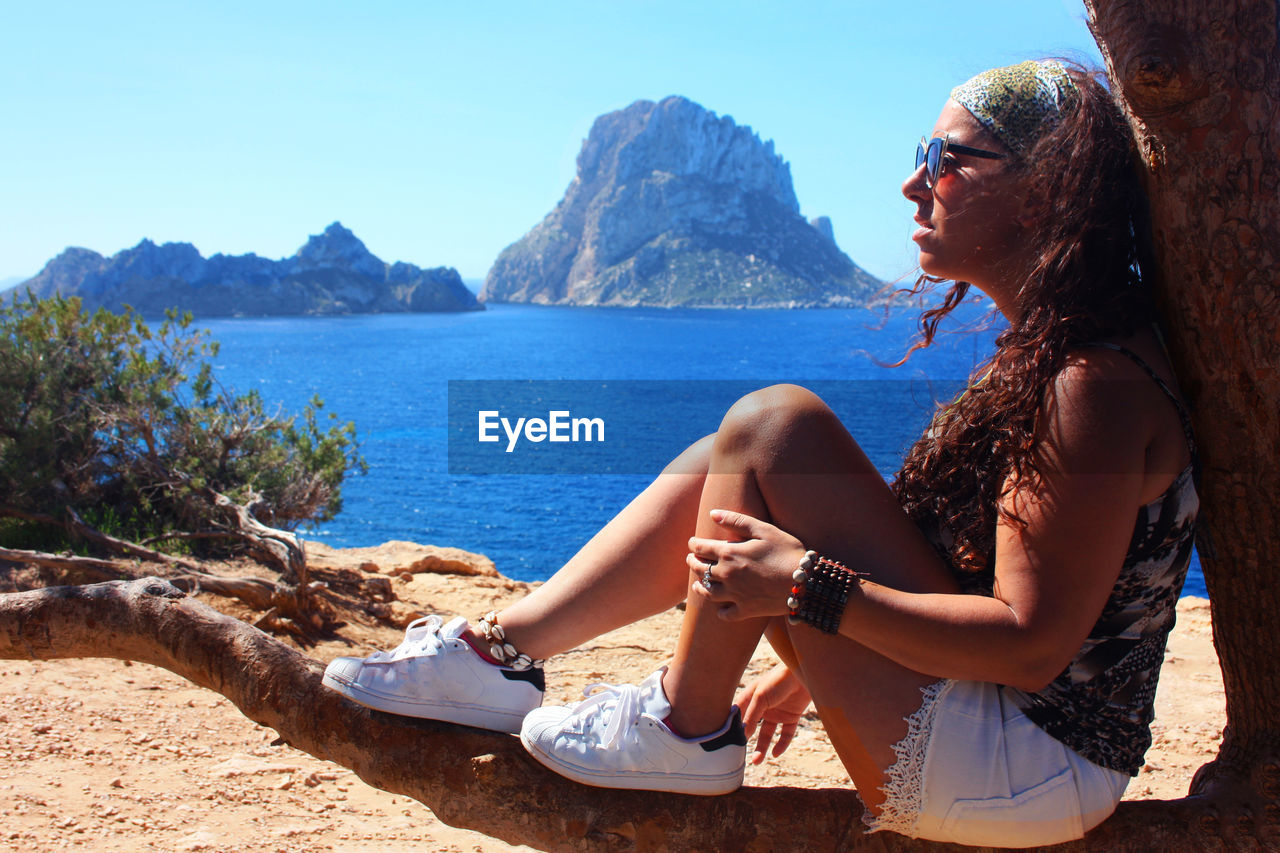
x: 1086, y: 284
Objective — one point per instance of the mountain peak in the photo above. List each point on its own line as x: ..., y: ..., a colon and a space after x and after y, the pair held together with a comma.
x: 675, y: 205
x: 338, y: 247
x: 336, y: 231
x: 680, y: 137
x: 74, y: 255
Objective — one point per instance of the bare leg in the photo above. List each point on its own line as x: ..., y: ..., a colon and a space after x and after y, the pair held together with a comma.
x: 633, y: 568
x: 782, y: 456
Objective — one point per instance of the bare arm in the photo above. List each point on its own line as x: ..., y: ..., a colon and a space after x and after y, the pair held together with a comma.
x: 1052, y: 577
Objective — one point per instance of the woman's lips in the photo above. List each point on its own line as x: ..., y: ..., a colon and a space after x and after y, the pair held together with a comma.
x: 924, y: 229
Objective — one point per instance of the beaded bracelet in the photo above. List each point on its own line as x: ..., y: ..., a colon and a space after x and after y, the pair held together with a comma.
x: 820, y: 591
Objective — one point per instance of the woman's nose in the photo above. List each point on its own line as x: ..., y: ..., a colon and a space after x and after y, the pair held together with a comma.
x: 914, y: 187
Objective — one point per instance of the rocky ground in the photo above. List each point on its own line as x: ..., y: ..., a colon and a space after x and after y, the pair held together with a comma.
x: 107, y: 755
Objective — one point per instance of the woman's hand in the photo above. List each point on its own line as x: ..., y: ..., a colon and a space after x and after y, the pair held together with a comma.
x: 775, y: 701
x: 751, y: 575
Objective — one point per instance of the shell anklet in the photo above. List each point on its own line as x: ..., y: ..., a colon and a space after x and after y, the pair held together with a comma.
x: 502, y: 651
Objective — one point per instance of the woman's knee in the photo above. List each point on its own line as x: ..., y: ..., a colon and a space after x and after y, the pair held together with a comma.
x: 776, y: 418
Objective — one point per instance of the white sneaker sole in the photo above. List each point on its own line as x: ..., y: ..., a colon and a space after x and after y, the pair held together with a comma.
x: 636, y: 780
x: 476, y: 716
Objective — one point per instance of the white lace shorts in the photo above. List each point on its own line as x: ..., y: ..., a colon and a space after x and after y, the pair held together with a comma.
x: 974, y: 770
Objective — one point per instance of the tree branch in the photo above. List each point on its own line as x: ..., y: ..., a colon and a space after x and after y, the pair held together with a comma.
x: 97, y: 569
x: 185, y: 535
x: 78, y: 526
x: 479, y: 780
x: 255, y: 592
x: 280, y: 547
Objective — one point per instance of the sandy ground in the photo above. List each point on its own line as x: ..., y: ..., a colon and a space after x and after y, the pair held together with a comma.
x: 107, y: 755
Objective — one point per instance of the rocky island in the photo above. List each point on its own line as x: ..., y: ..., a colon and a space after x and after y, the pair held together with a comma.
x: 333, y: 273
x: 675, y: 206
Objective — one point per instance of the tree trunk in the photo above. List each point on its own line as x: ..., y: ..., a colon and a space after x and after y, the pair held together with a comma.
x: 1200, y: 83
x: 470, y: 778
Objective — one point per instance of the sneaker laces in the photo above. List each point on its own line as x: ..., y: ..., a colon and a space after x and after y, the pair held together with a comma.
x: 421, y: 637
x: 622, y: 699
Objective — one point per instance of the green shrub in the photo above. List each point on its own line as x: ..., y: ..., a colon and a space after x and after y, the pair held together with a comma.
x: 125, y: 425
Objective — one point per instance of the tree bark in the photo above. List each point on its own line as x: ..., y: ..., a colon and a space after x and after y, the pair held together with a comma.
x: 1200, y: 84
x: 478, y: 780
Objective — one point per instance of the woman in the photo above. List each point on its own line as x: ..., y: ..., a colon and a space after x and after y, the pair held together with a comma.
x: 982, y: 639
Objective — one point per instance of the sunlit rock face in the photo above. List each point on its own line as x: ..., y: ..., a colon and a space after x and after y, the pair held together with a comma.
x: 674, y: 205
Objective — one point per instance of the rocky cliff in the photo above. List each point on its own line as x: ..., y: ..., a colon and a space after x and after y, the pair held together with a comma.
x: 333, y: 273
x: 673, y: 205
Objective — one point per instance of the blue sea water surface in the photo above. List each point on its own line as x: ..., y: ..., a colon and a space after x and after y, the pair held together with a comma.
x: 390, y: 374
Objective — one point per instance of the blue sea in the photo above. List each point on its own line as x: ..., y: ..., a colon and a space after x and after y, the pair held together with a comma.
x: 394, y: 375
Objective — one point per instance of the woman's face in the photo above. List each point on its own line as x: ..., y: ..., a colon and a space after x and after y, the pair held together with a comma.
x: 972, y: 219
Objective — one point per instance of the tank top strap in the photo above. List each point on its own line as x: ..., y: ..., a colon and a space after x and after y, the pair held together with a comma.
x: 1183, y: 414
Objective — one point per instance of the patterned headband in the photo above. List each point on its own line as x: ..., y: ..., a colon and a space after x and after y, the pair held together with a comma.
x: 1019, y: 102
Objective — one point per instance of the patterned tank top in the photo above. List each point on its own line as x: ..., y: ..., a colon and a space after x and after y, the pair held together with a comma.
x: 1103, y: 703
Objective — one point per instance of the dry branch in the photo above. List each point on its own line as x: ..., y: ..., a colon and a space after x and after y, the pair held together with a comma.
x: 257, y: 593
x: 77, y: 525
x: 186, y: 536
x: 280, y: 547
x: 478, y: 780
x: 98, y: 569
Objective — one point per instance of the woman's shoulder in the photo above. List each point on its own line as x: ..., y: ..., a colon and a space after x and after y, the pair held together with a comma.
x: 1134, y: 371
x: 1098, y: 397
x: 1139, y: 356
x: 1123, y: 393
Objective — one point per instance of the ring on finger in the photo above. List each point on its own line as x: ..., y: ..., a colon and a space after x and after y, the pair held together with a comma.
x: 707, y: 578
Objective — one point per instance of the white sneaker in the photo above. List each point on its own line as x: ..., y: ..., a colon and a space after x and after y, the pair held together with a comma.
x: 616, y: 738
x: 436, y: 674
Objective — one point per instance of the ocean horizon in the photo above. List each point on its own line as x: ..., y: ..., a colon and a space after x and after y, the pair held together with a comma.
x: 660, y: 378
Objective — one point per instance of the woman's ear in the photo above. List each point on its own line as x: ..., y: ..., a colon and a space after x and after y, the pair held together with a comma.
x: 1030, y: 212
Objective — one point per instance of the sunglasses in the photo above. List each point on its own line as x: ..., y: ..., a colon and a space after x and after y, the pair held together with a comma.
x: 932, y: 153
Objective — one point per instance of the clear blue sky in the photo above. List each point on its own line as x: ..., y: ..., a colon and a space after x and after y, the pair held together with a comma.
x: 441, y: 132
